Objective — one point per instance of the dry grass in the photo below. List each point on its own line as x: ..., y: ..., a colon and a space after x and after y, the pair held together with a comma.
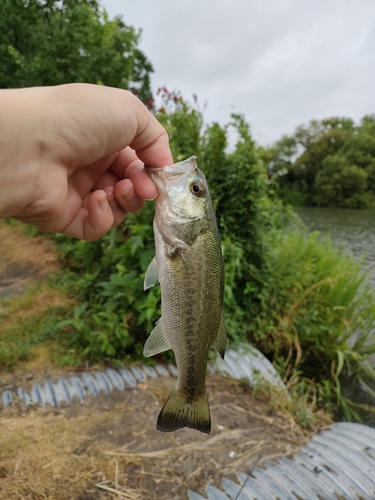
x: 16, y: 248
x: 108, y: 447
x: 42, y: 456
x: 37, y: 301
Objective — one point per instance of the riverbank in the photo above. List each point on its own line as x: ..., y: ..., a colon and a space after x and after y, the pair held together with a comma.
x: 353, y: 230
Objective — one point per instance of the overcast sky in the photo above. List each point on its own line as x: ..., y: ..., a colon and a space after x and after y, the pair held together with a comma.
x: 280, y: 62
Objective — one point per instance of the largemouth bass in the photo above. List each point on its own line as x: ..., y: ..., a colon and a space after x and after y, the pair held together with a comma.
x: 189, y: 267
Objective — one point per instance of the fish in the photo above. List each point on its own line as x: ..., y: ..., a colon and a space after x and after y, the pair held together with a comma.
x: 189, y: 266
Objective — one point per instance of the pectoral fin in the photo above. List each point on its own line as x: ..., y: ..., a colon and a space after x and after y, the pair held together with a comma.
x: 157, y: 341
x: 220, y: 343
x: 151, y: 276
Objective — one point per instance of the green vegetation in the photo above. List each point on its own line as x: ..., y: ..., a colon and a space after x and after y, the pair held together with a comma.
x: 25, y: 322
x: 301, y: 302
x: 106, y: 276
x: 330, y: 163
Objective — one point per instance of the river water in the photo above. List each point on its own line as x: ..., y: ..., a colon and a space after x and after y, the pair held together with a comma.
x: 354, y: 230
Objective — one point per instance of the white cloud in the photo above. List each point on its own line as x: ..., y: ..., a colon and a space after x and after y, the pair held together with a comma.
x: 280, y: 62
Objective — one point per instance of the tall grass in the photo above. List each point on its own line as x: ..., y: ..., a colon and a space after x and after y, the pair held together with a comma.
x: 321, y: 315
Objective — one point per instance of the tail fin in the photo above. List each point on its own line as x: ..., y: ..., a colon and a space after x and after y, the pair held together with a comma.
x: 179, y: 412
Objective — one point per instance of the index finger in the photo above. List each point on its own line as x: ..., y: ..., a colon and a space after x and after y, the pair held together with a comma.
x: 152, y: 144
x: 103, y: 121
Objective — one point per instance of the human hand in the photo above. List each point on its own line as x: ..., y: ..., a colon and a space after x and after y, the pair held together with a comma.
x: 71, y: 157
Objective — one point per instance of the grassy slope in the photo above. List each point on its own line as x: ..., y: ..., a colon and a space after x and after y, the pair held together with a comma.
x: 25, y: 265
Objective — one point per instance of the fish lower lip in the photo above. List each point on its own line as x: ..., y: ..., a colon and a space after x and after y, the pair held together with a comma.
x: 148, y: 168
x: 154, y: 174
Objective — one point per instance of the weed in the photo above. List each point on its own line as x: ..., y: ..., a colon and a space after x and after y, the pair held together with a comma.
x: 25, y: 321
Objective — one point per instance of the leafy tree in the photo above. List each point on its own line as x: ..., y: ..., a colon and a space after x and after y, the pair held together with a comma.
x: 53, y: 42
x: 283, y: 153
x: 240, y: 176
x: 214, y: 143
x: 329, y: 163
x: 341, y: 184
x: 359, y: 149
x: 319, y: 140
x: 367, y: 124
x: 183, y: 123
x: 278, y: 160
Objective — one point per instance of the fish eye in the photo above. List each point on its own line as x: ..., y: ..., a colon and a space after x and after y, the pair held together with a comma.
x: 196, y: 188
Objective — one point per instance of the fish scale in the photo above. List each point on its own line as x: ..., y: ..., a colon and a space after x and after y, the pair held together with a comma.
x: 193, y: 318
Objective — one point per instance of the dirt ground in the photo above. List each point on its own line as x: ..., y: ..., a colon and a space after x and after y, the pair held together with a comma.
x: 107, y: 447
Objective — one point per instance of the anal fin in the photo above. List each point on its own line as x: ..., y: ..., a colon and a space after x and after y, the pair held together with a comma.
x: 220, y: 343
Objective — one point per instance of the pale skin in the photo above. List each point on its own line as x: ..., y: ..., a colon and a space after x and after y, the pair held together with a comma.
x: 72, y: 157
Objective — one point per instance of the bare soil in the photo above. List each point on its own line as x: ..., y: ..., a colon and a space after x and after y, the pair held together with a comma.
x: 108, y: 447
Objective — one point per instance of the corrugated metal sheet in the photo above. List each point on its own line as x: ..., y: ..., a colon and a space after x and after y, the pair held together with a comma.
x: 248, y: 363
x: 245, y: 363
x: 65, y: 390
x: 338, y: 463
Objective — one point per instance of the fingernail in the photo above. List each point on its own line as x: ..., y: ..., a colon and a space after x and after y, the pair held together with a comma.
x: 126, y: 197
x: 103, y: 203
x: 150, y: 199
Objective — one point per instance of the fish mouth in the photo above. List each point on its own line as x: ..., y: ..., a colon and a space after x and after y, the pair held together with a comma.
x: 161, y: 175
x: 156, y: 175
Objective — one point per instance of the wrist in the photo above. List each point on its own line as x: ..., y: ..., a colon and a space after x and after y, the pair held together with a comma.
x: 20, y: 124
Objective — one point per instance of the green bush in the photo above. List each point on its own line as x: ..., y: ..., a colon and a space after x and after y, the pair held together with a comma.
x: 320, y: 316
x: 107, y: 275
